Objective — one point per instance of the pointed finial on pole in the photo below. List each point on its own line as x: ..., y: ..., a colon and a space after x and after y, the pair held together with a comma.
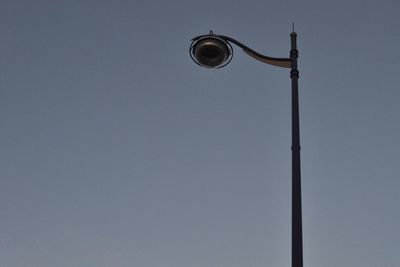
x: 292, y: 26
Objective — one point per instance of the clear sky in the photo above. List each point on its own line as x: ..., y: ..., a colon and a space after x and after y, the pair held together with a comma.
x: 117, y: 150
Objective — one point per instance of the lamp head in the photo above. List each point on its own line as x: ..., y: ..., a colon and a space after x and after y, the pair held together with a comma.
x: 210, y: 51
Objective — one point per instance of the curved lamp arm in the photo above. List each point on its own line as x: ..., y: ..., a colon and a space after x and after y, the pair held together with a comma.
x: 279, y: 62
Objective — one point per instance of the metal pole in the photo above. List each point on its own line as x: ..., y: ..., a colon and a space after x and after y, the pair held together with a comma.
x: 297, y: 233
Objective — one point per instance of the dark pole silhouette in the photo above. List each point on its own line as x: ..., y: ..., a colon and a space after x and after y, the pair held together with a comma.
x: 297, y: 233
x: 215, y: 51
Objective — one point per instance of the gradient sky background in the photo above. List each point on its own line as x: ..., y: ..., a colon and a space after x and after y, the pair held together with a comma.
x: 117, y: 150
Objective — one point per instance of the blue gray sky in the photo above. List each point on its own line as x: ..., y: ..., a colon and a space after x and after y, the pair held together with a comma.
x: 117, y: 150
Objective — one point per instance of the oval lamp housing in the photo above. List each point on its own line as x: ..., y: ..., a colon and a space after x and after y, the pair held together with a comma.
x: 211, y: 52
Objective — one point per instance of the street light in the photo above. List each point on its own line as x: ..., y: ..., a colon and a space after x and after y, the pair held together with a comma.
x: 215, y: 51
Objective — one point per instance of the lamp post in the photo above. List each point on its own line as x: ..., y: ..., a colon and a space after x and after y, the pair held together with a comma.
x: 215, y: 51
